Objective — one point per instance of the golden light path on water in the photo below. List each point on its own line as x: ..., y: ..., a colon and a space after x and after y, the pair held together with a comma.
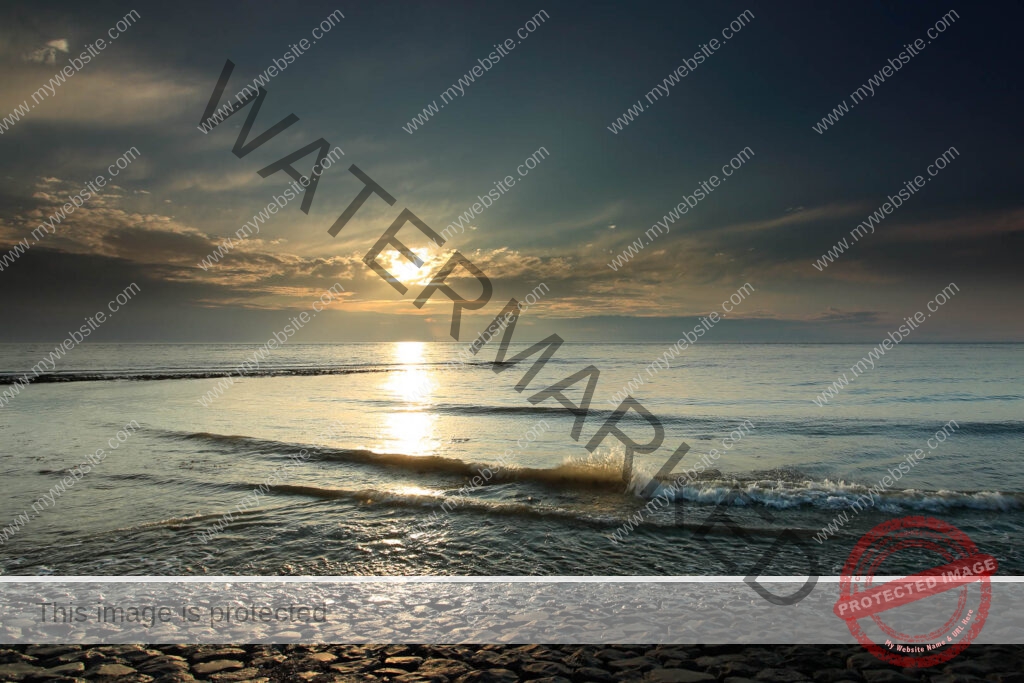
x: 410, y: 428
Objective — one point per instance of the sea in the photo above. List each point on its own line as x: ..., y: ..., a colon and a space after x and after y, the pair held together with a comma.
x: 404, y: 459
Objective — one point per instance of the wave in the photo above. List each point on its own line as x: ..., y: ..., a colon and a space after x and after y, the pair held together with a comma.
x: 454, y: 501
x: 445, y: 503
x: 218, y: 373
x: 451, y: 500
x: 711, y: 428
x: 150, y: 376
x: 702, y: 427
x: 826, y: 494
x: 570, y: 474
x: 779, y: 489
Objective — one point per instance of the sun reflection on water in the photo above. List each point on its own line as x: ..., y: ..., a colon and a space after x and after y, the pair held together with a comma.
x: 410, y: 429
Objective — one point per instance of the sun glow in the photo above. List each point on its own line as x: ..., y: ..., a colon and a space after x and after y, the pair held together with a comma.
x: 406, y: 271
x: 410, y: 430
x: 413, y: 383
x: 409, y: 353
x: 409, y: 433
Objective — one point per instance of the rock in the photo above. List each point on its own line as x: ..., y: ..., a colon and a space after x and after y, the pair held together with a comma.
x: 21, y: 623
x: 407, y: 663
x: 977, y: 667
x: 611, y: 653
x: 164, y: 664
x: 491, y: 664
x: 18, y: 671
x: 580, y: 658
x: 137, y: 656
x: 776, y: 657
x: 808, y: 661
x: 235, y: 676
x: 176, y: 677
x: 670, y: 652
x: 218, y: 665
x: 592, y: 673
x: 781, y: 676
x: 956, y: 678
x: 547, y: 669
x: 222, y: 653
x: 486, y: 659
x: 734, y: 670
x: 90, y: 656
x: 677, y: 676
x: 887, y: 676
x: 322, y: 657
x: 111, y: 671
x: 14, y: 657
x: 489, y: 676
x: 835, y: 675
x: 716, y: 650
x: 47, y: 651
x: 360, y: 664
x: 389, y: 672
x: 67, y: 669
x: 352, y: 668
x: 639, y: 663
x: 865, y: 660
x: 409, y: 678
x: 719, y: 660
x: 451, y: 668
x: 268, y: 660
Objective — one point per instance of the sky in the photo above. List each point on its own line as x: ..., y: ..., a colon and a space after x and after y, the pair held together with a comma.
x: 594, y: 192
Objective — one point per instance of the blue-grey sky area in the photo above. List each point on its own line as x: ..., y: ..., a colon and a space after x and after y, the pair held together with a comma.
x: 565, y: 86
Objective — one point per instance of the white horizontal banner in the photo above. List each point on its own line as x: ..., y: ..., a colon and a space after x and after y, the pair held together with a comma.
x: 431, y: 610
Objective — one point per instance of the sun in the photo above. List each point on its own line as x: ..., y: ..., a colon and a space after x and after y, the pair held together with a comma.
x: 407, y: 272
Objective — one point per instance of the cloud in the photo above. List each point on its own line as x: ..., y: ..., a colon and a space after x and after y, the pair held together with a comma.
x: 832, y: 314
x: 255, y: 271
x: 47, y: 54
x: 800, y: 215
x: 968, y: 226
x: 217, y: 181
x: 98, y: 95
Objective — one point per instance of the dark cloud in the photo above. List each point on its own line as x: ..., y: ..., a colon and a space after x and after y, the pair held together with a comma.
x: 853, y: 317
x: 766, y: 224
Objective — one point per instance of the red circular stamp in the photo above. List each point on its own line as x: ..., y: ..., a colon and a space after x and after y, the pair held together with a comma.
x: 961, y: 566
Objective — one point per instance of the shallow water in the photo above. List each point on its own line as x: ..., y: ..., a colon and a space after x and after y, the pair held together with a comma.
x: 390, y: 436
